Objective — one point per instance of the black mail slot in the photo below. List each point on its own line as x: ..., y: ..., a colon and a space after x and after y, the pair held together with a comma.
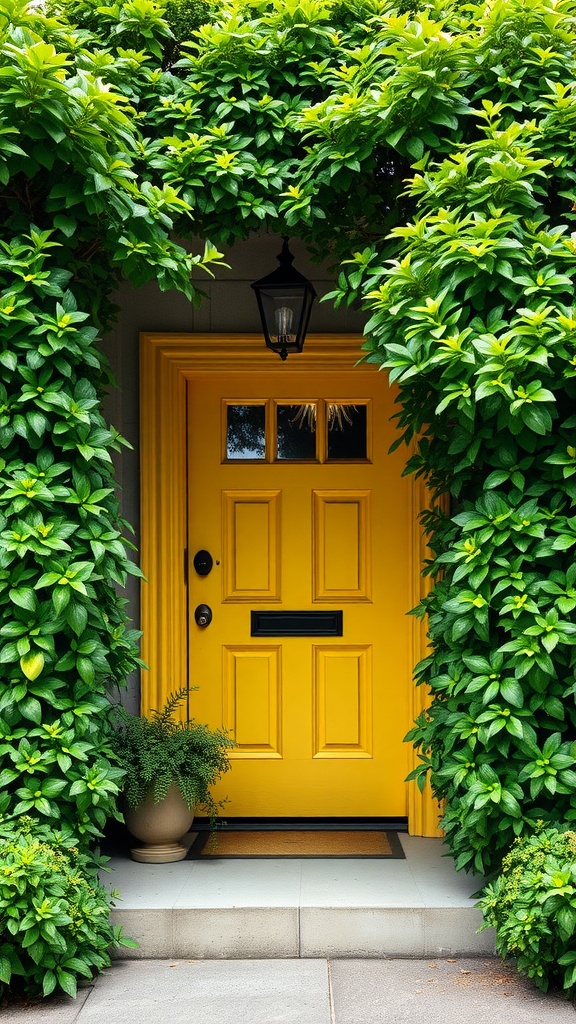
x: 324, y: 623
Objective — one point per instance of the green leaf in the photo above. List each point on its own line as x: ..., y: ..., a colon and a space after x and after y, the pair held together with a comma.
x: 77, y: 617
x: 49, y: 982
x: 5, y: 970
x: 538, y: 419
x: 74, y: 963
x: 8, y: 359
x: 85, y: 669
x: 567, y: 920
x: 31, y: 709
x: 67, y: 225
x: 568, y: 778
x: 37, y: 421
x: 52, y: 787
x: 495, y: 479
x: 512, y: 692
x: 24, y: 597
x: 32, y: 664
x: 510, y: 804
x: 415, y: 147
x: 564, y: 542
x: 60, y: 599
x: 477, y: 663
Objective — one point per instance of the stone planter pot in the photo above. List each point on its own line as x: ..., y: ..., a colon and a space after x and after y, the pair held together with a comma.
x: 159, y: 827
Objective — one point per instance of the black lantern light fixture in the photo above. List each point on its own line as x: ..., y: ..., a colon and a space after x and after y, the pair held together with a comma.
x: 285, y: 300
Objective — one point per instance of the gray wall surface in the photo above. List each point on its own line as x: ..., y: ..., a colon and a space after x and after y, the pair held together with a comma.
x: 229, y: 307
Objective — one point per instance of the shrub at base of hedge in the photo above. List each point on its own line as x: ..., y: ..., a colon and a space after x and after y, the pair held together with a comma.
x: 54, y: 914
x: 532, y: 906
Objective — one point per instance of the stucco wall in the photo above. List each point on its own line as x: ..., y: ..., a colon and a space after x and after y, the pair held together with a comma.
x: 229, y: 306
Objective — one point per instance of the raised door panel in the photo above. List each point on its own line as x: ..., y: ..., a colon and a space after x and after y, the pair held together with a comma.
x: 342, y: 701
x: 251, y: 545
x: 252, y: 704
x: 341, y: 546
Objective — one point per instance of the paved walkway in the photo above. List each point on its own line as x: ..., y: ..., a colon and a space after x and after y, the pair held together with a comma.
x: 455, y: 991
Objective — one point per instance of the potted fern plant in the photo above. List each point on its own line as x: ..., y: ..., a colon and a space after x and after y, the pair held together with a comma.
x: 169, y: 768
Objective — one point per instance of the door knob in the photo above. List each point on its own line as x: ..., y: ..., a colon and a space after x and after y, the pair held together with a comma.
x: 203, y: 615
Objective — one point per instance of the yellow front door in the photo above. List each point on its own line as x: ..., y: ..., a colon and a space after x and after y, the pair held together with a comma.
x: 308, y: 657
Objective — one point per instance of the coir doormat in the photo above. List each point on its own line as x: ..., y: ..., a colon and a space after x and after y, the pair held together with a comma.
x: 254, y: 843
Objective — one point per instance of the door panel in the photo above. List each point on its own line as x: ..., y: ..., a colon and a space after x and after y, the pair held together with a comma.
x: 342, y: 695
x: 293, y: 493
x: 341, y: 546
x: 251, y: 545
x: 252, y: 700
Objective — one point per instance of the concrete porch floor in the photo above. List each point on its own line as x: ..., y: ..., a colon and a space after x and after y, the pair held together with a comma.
x: 312, y: 908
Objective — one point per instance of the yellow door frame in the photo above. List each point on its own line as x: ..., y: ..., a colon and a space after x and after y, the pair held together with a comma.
x: 167, y: 362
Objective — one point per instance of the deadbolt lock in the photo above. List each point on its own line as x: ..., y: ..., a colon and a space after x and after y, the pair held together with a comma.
x: 203, y: 615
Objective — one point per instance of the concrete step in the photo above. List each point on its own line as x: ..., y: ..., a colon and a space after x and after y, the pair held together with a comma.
x: 283, y: 908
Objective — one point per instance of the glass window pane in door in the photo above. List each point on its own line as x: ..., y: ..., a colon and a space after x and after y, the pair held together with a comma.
x: 347, y: 438
x: 245, y: 431
x: 296, y: 431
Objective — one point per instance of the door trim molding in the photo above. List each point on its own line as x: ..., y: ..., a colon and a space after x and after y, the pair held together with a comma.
x: 167, y: 362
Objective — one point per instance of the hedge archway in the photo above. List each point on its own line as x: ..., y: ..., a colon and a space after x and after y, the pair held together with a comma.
x: 429, y: 149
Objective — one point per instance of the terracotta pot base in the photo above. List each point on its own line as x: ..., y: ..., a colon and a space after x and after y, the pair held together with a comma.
x: 158, y: 853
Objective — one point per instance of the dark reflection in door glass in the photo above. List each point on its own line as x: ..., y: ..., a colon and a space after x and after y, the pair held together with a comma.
x: 296, y: 431
x: 246, y: 432
x: 346, y: 431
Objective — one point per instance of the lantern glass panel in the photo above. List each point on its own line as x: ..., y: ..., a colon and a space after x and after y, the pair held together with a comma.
x: 283, y: 312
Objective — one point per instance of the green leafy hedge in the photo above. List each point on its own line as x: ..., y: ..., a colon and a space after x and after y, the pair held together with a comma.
x: 474, y: 321
x: 54, y: 914
x: 532, y: 906
x: 63, y: 627
x: 430, y: 147
x: 75, y: 215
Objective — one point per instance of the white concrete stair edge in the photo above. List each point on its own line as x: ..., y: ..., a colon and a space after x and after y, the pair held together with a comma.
x: 265, y: 909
